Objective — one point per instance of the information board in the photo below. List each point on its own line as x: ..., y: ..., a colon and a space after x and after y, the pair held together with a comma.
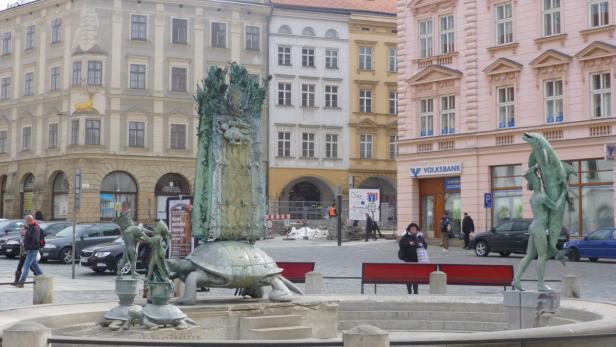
x: 362, y: 201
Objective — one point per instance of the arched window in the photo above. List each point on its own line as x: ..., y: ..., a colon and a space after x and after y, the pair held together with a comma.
x: 118, y: 192
x: 2, y: 193
x: 59, y: 197
x: 169, y: 185
x: 331, y: 34
x: 308, y: 31
x: 27, y: 193
x: 285, y: 29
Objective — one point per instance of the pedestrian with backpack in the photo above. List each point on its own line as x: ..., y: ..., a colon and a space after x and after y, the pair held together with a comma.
x: 32, y: 243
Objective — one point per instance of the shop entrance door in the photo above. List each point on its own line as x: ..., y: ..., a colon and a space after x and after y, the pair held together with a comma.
x: 432, y: 201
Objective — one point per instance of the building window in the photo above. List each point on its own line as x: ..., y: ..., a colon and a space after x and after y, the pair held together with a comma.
x: 219, y: 35
x: 592, y: 196
x: 551, y: 17
x: 7, y: 45
x: 448, y: 115
x: 54, y: 80
x: 447, y: 34
x: 138, y: 27
x: 425, y: 39
x: 93, y: 132
x: 137, y: 76
x: 178, y: 136
x: 553, y: 94
x: 505, y: 107
x: 392, y: 64
x: 331, y: 58
x: 30, y: 32
x: 307, y: 95
x: 284, y: 55
x: 365, y: 58
x: 284, y: 94
x: 308, y: 145
x: 77, y: 73
x: 393, y: 146
x: 136, y: 134
x: 178, y: 79
x: 117, y: 189
x: 95, y: 73
x: 393, y: 102
x: 331, y: 96
x: 365, y: 101
x: 308, y: 57
x: 284, y: 144
x: 253, y: 38
x: 506, y: 193
x: 179, y: 31
x: 75, y: 132
x: 3, y: 141
x: 26, y: 139
x: 601, y: 95
x: 504, y: 24
x: 52, y: 138
x: 331, y: 146
x: 56, y: 30
x: 365, y: 146
x: 426, y: 116
x: 599, y: 13
x: 29, y: 84
x: 5, y: 91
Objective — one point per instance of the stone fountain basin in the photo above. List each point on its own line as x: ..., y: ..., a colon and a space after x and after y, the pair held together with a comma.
x: 413, y: 317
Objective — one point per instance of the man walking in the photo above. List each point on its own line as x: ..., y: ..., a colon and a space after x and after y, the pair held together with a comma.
x: 445, y: 229
x: 468, y: 226
x: 369, y: 227
x: 31, y: 234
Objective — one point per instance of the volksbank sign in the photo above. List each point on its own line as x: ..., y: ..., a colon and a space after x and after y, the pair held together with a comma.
x: 436, y: 170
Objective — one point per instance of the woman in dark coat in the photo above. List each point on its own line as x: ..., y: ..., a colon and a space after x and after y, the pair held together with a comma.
x: 408, y: 252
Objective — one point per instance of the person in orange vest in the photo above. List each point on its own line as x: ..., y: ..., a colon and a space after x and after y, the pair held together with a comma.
x: 331, y: 211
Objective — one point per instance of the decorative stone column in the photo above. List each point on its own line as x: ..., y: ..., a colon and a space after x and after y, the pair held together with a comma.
x: 23, y: 334
x: 438, y: 282
x: 365, y: 336
x: 43, y: 290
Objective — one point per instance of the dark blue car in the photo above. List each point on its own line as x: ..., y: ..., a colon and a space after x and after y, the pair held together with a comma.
x: 599, y: 244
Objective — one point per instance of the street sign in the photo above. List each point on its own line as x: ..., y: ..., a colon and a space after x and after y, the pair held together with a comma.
x: 487, y: 200
x: 371, y: 207
x: 269, y: 224
x: 77, y: 188
x: 610, y: 151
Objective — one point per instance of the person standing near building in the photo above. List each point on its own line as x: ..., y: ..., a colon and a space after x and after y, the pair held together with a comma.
x: 468, y: 226
x: 369, y: 227
x: 31, y: 234
x: 407, y: 252
x: 332, y: 215
x: 445, y: 229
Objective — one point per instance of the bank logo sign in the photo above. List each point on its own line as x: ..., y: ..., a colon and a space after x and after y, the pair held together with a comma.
x: 436, y: 170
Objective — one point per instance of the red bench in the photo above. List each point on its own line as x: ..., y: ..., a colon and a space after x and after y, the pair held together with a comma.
x: 478, y: 275
x: 395, y: 273
x: 295, y: 271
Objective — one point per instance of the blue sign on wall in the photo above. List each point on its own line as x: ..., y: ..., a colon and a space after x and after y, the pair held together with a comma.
x: 487, y: 200
x: 452, y: 184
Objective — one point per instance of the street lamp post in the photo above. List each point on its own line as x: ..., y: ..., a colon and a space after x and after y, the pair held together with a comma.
x: 339, y: 215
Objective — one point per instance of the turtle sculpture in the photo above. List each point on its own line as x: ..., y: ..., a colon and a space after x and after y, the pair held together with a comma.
x: 153, y: 320
x: 231, y: 264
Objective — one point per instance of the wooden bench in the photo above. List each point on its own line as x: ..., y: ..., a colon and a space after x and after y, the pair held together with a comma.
x: 395, y: 273
x: 295, y: 271
x: 478, y: 275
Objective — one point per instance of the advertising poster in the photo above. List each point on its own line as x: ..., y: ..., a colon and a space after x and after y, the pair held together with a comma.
x: 179, y: 222
x: 362, y: 201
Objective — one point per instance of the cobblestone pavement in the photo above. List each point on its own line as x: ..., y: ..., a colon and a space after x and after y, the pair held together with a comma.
x: 596, y: 279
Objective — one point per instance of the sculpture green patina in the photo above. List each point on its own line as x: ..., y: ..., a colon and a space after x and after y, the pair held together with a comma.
x: 131, y: 235
x: 229, y: 199
x: 547, y: 177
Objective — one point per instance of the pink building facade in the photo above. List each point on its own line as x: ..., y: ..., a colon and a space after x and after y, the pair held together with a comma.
x: 474, y: 76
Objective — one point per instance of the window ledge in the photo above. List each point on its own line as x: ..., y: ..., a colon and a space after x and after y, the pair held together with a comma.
x: 553, y: 38
x: 513, y: 46
x: 178, y: 150
x: 285, y: 65
x: 333, y: 159
x: 332, y: 68
x: 310, y: 107
x: 309, y: 158
x: 332, y: 108
x: 140, y: 42
x: 289, y: 106
x: 607, y: 28
x: 359, y: 70
x: 309, y: 66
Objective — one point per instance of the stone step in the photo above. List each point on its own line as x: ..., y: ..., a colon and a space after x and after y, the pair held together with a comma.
x: 284, y: 333
x: 422, y: 325
x: 261, y: 322
x: 419, y: 306
x: 422, y: 315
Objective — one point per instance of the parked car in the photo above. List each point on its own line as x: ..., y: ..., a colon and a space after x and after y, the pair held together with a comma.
x: 508, y: 237
x: 59, y: 247
x: 106, y: 256
x: 11, y: 226
x: 9, y: 244
x: 600, y: 243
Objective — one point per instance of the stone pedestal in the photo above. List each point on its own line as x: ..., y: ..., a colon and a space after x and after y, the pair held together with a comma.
x: 524, y: 309
x: 438, y: 282
x: 314, y: 282
x: 365, y: 336
x: 570, y: 287
x: 23, y: 334
x: 179, y: 288
x: 126, y: 290
x: 43, y: 290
